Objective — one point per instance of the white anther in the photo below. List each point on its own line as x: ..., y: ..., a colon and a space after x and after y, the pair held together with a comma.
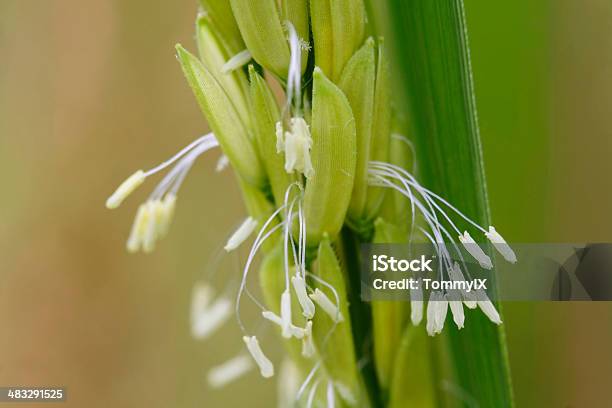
x: 241, y: 234
x: 501, y: 245
x: 328, y: 307
x: 472, y: 247
x: 125, y: 189
x: 299, y: 285
x: 229, y: 371
x: 265, y: 365
x: 237, y: 61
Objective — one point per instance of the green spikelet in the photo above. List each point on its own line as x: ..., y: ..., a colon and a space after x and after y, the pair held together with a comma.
x: 338, y: 30
x: 223, y: 118
x: 262, y: 31
x: 334, y: 150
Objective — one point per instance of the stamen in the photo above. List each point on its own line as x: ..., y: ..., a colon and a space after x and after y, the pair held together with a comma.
x: 302, y: 220
x: 437, y: 308
x: 273, y: 317
x: 456, y: 307
x: 387, y: 175
x: 265, y: 365
x: 241, y: 234
x: 288, y: 236
x: 431, y: 314
x: 138, y: 228
x: 237, y: 61
x: 501, y: 245
x: 296, y: 143
x: 380, y: 170
x: 442, y: 310
x: 328, y: 307
x: 154, y: 209
x: 296, y: 332
x: 206, y: 321
x: 229, y: 371
x: 299, y: 285
x: 487, y: 307
x: 125, y: 189
x: 428, y: 192
x: 468, y: 298
x: 429, y: 215
x: 168, y: 206
x: 472, y: 247
x: 187, y: 156
x: 201, y: 298
x: 308, y: 347
x: 262, y: 236
x: 153, y: 218
x: 152, y: 222
x: 286, y: 314
x: 208, y: 139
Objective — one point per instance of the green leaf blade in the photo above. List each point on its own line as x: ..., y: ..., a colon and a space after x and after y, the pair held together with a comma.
x: 431, y: 51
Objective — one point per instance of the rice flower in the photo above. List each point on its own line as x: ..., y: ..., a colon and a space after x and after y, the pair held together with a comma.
x: 321, y: 172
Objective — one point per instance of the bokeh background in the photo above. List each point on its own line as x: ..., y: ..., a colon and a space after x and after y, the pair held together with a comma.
x: 91, y: 91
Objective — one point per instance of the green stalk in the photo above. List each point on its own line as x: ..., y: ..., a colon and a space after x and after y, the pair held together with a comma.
x: 433, y: 68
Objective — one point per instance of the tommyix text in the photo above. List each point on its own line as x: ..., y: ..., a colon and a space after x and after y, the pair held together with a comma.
x: 388, y: 273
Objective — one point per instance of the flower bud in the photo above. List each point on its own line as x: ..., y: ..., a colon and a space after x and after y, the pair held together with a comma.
x: 223, y: 118
x: 338, y: 30
x: 328, y: 190
x: 263, y: 33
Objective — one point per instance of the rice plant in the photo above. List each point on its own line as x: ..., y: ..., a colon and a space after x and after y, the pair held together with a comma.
x: 353, y: 154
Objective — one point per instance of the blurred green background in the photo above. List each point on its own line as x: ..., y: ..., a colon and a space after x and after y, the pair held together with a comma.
x: 91, y: 91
